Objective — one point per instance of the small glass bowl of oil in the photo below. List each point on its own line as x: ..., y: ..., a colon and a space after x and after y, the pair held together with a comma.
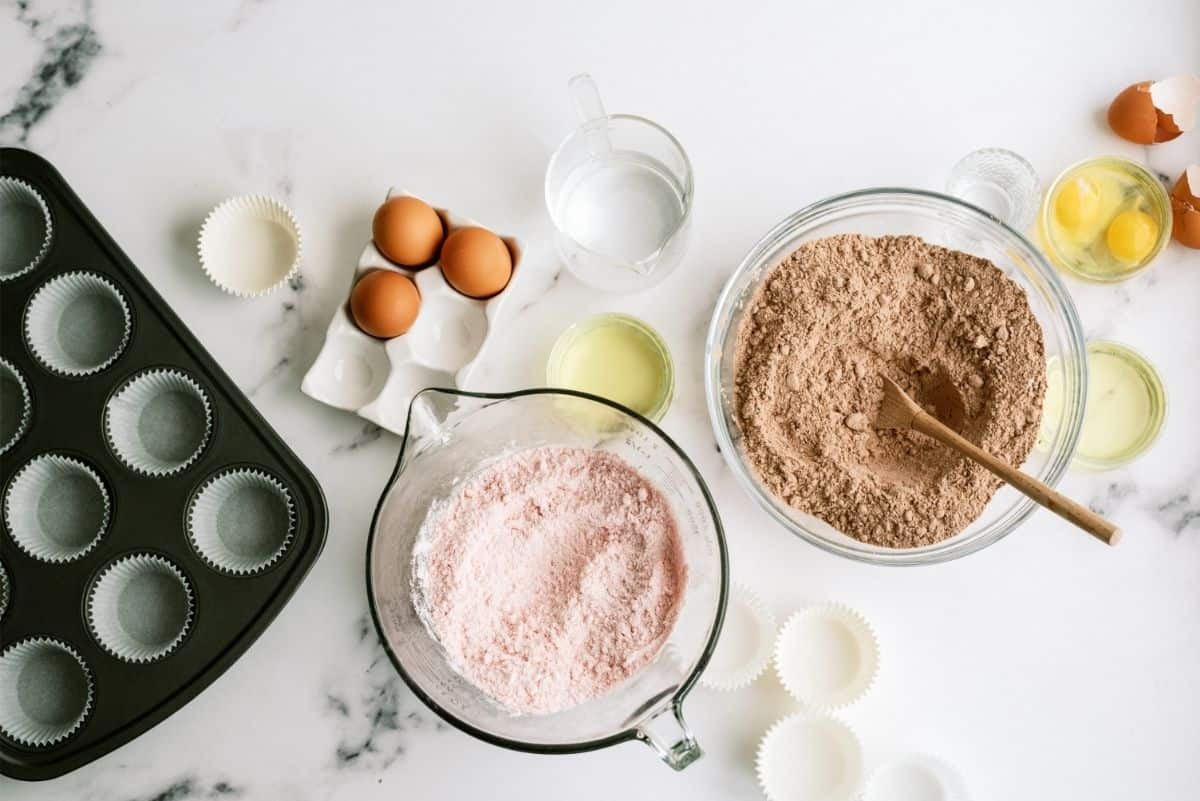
x: 1126, y: 406
x: 1104, y: 219
x: 617, y: 357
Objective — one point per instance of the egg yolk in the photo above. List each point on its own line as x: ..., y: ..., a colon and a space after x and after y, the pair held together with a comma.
x: 1078, y: 203
x: 1131, y: 236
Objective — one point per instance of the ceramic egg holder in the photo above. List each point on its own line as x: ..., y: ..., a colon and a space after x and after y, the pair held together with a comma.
x: 377, y: 378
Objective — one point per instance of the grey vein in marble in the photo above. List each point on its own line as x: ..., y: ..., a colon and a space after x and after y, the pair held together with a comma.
x: 373, y: 709
x: 368, y: 434
x: 68, y: 51
x: 191, y: 788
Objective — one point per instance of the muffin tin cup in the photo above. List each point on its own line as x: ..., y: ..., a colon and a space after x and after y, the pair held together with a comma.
x: 16, y: 406
x: 56, y: 508
x: 26, y: 230
x: 827, y: 656
x: 250, y: 245
x: 46, y: 692
x: 159, y: 422
x: 140, y: 608
x: 77, y: 324
x: 241, y: 521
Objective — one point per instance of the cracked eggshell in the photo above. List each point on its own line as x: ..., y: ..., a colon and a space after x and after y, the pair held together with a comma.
x: 1185, y: 207
x: 1155, y: 111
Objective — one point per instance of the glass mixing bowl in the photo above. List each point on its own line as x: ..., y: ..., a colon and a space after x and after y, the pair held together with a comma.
x: 450, y: 435
x: 941, y: 220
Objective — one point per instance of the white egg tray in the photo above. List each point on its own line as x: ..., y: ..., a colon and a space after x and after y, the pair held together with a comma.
x: 376, y: 378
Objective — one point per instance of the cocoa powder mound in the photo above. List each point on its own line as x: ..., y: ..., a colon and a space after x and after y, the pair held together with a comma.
x: 954, y: 331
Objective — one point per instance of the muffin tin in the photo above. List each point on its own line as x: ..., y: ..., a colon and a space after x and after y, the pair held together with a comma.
x: 151, y: 523
x: 376, y: 378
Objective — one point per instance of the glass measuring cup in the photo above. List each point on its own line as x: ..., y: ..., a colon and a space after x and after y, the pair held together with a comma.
x: 619, y: 190
x: 450, y: 434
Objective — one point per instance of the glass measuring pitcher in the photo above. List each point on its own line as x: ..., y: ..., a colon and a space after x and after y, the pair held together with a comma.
x: 450, y: 435
x: 619, y: 190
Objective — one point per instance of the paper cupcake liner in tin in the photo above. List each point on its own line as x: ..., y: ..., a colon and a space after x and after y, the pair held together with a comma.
x: 16, y: 406
x: 827, y: 656
x: 25, y: 228
x: 241, y: 521
x: 77, y: 324
x: 250, y: 245
x: 810, y: 757
x: 915, y: 777
x: 159, y: 422
x: 46, y: 692
x: 140, y: 608
x: 5, y: 590
x: 744, y: 649
x: 56, y: 508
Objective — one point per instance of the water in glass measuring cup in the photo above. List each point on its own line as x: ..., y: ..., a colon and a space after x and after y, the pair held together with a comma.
x: 624, y: 205
x: 619, y: 191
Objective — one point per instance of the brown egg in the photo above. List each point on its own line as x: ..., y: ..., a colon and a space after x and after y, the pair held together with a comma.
x: 476, y: 262
x: 407, y: 231
x: 385, y: 303
x: 1185, y: 207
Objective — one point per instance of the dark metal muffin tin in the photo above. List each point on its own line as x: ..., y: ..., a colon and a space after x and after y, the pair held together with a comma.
x: 148, y: 514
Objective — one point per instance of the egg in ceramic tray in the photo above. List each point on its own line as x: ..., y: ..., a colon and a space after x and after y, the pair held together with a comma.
x: 406, y: 327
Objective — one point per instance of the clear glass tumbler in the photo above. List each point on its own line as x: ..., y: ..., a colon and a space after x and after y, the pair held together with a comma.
x: 619, y: 190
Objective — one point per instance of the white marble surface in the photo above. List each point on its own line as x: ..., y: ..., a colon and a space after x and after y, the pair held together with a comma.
x: 1045, y: 667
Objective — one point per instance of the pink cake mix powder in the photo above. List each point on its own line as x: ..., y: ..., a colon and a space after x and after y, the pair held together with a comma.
x: 551, y: 576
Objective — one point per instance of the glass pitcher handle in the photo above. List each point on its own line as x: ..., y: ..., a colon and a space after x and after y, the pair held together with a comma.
x: 586, y: 95
x: 590, y: 110
x: 673, y: 741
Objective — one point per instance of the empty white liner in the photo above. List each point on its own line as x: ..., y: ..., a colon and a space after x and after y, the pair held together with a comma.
x: 45, y: 691
x: 241, y: 521
x: 159, y: 422
x: 56, y: 508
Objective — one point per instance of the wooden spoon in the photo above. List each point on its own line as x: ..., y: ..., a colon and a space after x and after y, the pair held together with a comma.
x: 899, y: 411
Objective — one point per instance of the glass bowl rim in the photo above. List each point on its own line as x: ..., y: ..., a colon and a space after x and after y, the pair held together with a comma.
x: 909, y: 198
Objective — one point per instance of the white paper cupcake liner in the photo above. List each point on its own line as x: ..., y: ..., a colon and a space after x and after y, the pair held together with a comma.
x: 16, y: 406
x: 46, y: 692
x: 250, y: 245
x: 56, y: 508
x: 5, y: 590
x: 25, y: 228
x: 159, y: 422
x: 77, y: 324
x: 915, y: 777
x: 140, y: 608
x: 744, y: 649
x: 241, y: 521
x: 810, y: 757
x: 827, y: 656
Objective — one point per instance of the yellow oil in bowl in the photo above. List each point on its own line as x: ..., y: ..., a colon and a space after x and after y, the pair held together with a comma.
x: 1104, y: 219
x: 617, y: 357
x: 1126, y: 406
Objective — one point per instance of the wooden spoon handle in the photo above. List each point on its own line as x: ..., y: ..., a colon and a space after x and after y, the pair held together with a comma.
x: 1061, y: 505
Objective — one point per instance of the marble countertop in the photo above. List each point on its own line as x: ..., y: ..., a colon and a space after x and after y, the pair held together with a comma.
x: 1045, y: 666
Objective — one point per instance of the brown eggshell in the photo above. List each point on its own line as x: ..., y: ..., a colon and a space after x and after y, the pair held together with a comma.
x: 476, y: 262
x: 1185, y: 207
x: 385, y: 304
x: 407, y: 231
x: 1132, y: 114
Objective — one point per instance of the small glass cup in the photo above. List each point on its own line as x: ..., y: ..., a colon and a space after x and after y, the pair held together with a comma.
x: 999, y: 182
x: 619, y: 190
